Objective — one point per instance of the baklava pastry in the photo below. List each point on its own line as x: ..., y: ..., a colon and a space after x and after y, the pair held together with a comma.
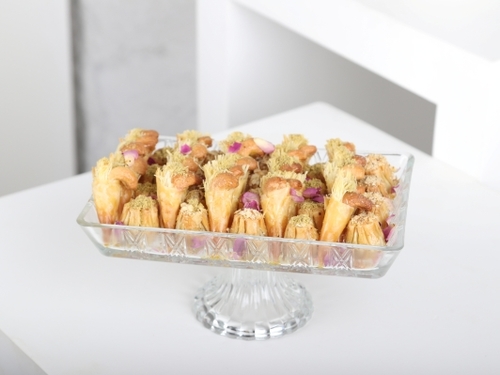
x: 142, y: 140
x: 301, y: 227
x: 382, y: 207
x: 315, y: 210
x: 338, y: 151
x: 146, y: 188
x: 280, y: 192
x: 195, y: 144
x: 192, y: 216
x: 141, y: 211
x: 365, y: 229
x: 377, y: 165
x: 112, y: 187
x: 224, y: 183
x: 280, y: 160
x: 298, y: 147
x: 337, y: 211
x: 249, y: 221
x: 173, y: 181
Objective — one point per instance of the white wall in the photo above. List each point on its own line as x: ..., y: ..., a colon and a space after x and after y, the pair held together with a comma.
x: 136, y: 68
x: 251, y: 67
x: 36, y: 102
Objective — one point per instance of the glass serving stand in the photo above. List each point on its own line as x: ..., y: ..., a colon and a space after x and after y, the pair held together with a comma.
x: 257, y: 299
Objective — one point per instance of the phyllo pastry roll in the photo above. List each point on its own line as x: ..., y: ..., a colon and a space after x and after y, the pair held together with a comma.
x: 374, y: 184
x: 142, y: 140
x: 224, y: 184
x: 192, y: 216
x: 173, y: 181
x: 315, y: 210
x: 301, y: 227
x: 246, y: 145
x: 382, y: 207
x: 365, y: 229
x: 280, y: 160
x: 377, y: 165
x: 141, y: 211
x: 194, y: 144
x: 337, y: 211
x: 338, y: 151
x: 112, y: 186
x: 249, y: 221
x: 146, y: 188
x: 298, y: 147
x: 280, y: 192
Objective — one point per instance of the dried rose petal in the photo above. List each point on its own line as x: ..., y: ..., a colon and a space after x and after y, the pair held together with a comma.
x: 239, y: 246
x: 130, y: 156
x: 185, y: 149
x: 198, y: 242
x: 235, y: 147
x: 264, y: 145
x: 151, y: 161
x: 251, y: 200
x: 310, y: 192
x: 297, y: 198
x: 389, y: 232
x: 319, y: 198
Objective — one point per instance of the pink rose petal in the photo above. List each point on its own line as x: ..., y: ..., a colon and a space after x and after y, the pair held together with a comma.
x: 185, y: 149
x: 310, y: 192
x: 264, y: 145
x: 251, y: 200
x: 297, y: 198
x: 235, y: 147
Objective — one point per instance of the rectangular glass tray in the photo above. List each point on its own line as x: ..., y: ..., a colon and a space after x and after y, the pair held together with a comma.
x: 255, y: 252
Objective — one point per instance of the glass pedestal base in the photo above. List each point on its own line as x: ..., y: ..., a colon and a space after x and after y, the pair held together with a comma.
x: 253, y: 305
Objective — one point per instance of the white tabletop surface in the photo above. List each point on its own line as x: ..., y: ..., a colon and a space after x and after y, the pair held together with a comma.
x: 437, y: 311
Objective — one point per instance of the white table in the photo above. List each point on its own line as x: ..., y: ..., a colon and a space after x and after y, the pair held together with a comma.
x: 75, y: 311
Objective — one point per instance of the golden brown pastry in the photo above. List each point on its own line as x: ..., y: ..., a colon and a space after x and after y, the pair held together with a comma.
x: 301, y: 227
x: 141, y: 211
x: 112, y: 186
x: 280, y: 193
x: 337, y: 211
x: 249, y: 221
x: 192, y: 216
x: 173, y: 181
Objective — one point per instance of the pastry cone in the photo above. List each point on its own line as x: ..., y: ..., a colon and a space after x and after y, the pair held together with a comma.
x: 377, y: 165
x: 301, y: 227
x: 139, y: 139
x: 382, y: 207
x: 315, y: 171
x: 338, y: 213
x: 225, y: 182
x: 220, y: 190
x: 160, y: 156
x: 374, y: 184
x: 141, y: 212
x: 297, y: 146
x: 194, y: 144
x: 249, y: 221
x: 112, y: 187
x: 277, y: 199
x: 192, y: 216
x: 173, y: 181
x: 146, y: 188
x: 315, y: 210
x: 280, y: 160
x: 338, y: 152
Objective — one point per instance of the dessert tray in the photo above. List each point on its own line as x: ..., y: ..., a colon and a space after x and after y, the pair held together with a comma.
x: 258, y: 299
